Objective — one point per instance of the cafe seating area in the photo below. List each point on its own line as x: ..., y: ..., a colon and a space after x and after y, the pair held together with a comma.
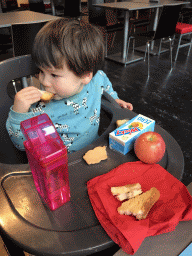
x: 155, y: 88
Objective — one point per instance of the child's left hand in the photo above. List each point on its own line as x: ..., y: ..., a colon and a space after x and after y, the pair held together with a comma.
x: 124, y: 104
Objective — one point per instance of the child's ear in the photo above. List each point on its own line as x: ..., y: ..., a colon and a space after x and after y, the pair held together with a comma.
x: 86, y: 78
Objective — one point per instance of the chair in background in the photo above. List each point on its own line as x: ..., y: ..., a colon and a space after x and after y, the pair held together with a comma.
x: 183, y: 30
x: 141, y: 19
x: 186, y: 13
x: 165, y: 29
x: 69, y: 9
x: 57, y: 7
x: 106, y: 20
x: 138, y: 21
x: 8, y: 5
x: 111, y: 21
x: 72, y: 8
x: 37, y: 6
x: 23, y: 36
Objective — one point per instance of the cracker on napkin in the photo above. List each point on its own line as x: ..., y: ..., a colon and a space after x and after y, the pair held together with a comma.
x: 95, y: 155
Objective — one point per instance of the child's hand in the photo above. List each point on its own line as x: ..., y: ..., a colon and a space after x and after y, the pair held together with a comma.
x: 25, y: 98
x: 124, y: 104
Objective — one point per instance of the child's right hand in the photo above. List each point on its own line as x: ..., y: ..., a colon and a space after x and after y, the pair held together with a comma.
x: 25, y: 98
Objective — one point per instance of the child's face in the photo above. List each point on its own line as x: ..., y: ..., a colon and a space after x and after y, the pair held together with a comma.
x: 61, y: 82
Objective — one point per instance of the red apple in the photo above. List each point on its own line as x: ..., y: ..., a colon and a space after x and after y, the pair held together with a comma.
x: 150, y: 147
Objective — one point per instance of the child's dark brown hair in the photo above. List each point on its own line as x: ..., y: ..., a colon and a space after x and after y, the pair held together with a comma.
x: 76, y: 43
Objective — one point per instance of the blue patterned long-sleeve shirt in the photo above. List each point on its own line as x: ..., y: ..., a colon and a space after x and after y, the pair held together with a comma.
x: 76, y: 118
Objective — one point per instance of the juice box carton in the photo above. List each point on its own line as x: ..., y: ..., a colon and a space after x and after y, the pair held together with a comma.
x: 123, y: 138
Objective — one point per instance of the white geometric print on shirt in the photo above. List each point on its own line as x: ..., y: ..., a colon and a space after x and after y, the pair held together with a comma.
x: 75, y: 106
x: 62, y: 127
x: 84, y: 103
x: 39, y: 108
x: 67, y: 139
x: 94, y: 117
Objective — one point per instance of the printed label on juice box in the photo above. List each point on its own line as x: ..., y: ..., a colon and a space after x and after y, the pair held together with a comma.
x: 123, y: 138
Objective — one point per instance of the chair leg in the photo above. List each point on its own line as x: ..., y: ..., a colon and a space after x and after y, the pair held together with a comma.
x: 160, y: 47
x: 190, y: 45
x: 178, y: 46
x: 128, y: 44
x: 133, y: 44
x: 112, y: 42
x: 106, y: 42
x: 170, y: 42
x: 106, y: 39
x: 148, y: 49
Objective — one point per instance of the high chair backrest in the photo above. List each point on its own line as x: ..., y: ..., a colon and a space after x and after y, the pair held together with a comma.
x: 23, y: 36
x: 10, y: 69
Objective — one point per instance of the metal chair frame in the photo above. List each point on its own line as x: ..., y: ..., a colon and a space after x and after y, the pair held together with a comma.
x: 165, y: 29
x: 134, y: 24
x: 181, y: 45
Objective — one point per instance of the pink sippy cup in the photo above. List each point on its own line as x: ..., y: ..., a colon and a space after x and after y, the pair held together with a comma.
x: 47, y: 156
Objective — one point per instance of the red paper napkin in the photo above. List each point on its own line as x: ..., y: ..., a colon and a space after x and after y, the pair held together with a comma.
x: 174, y: 204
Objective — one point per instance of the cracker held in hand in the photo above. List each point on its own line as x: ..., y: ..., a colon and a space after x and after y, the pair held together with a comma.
x: 140, y: 205
x: 96, y: 155
x: 46, y: 96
